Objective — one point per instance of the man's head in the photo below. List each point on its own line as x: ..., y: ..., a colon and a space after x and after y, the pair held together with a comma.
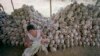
x: 31, y: 29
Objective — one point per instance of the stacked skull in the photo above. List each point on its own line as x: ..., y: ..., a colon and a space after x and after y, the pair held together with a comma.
x: 75, y: 25
x: 13, y: 27
x: 78, y: 26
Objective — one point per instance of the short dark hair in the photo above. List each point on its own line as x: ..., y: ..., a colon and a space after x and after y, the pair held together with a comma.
x: 30, y: 27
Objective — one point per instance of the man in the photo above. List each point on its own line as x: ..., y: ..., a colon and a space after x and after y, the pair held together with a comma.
x: 35, y: 41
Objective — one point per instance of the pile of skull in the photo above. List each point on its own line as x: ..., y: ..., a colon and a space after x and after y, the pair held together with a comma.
x: 74, y: 25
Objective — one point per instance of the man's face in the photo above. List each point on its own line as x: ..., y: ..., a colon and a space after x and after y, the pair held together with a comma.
x: 33, y: 32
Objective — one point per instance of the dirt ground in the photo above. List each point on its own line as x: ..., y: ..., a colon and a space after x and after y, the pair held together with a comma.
x: 76, y: 51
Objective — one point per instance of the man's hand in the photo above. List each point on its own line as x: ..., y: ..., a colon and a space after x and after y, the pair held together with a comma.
x: 27, y: 42
x: 45, y: 41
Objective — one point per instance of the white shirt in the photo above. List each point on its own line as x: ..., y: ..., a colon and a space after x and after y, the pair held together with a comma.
x: 36, y: 39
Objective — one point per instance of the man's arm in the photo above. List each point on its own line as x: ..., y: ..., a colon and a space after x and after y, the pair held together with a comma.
x: 44, y: 38
x: 27, y: 41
